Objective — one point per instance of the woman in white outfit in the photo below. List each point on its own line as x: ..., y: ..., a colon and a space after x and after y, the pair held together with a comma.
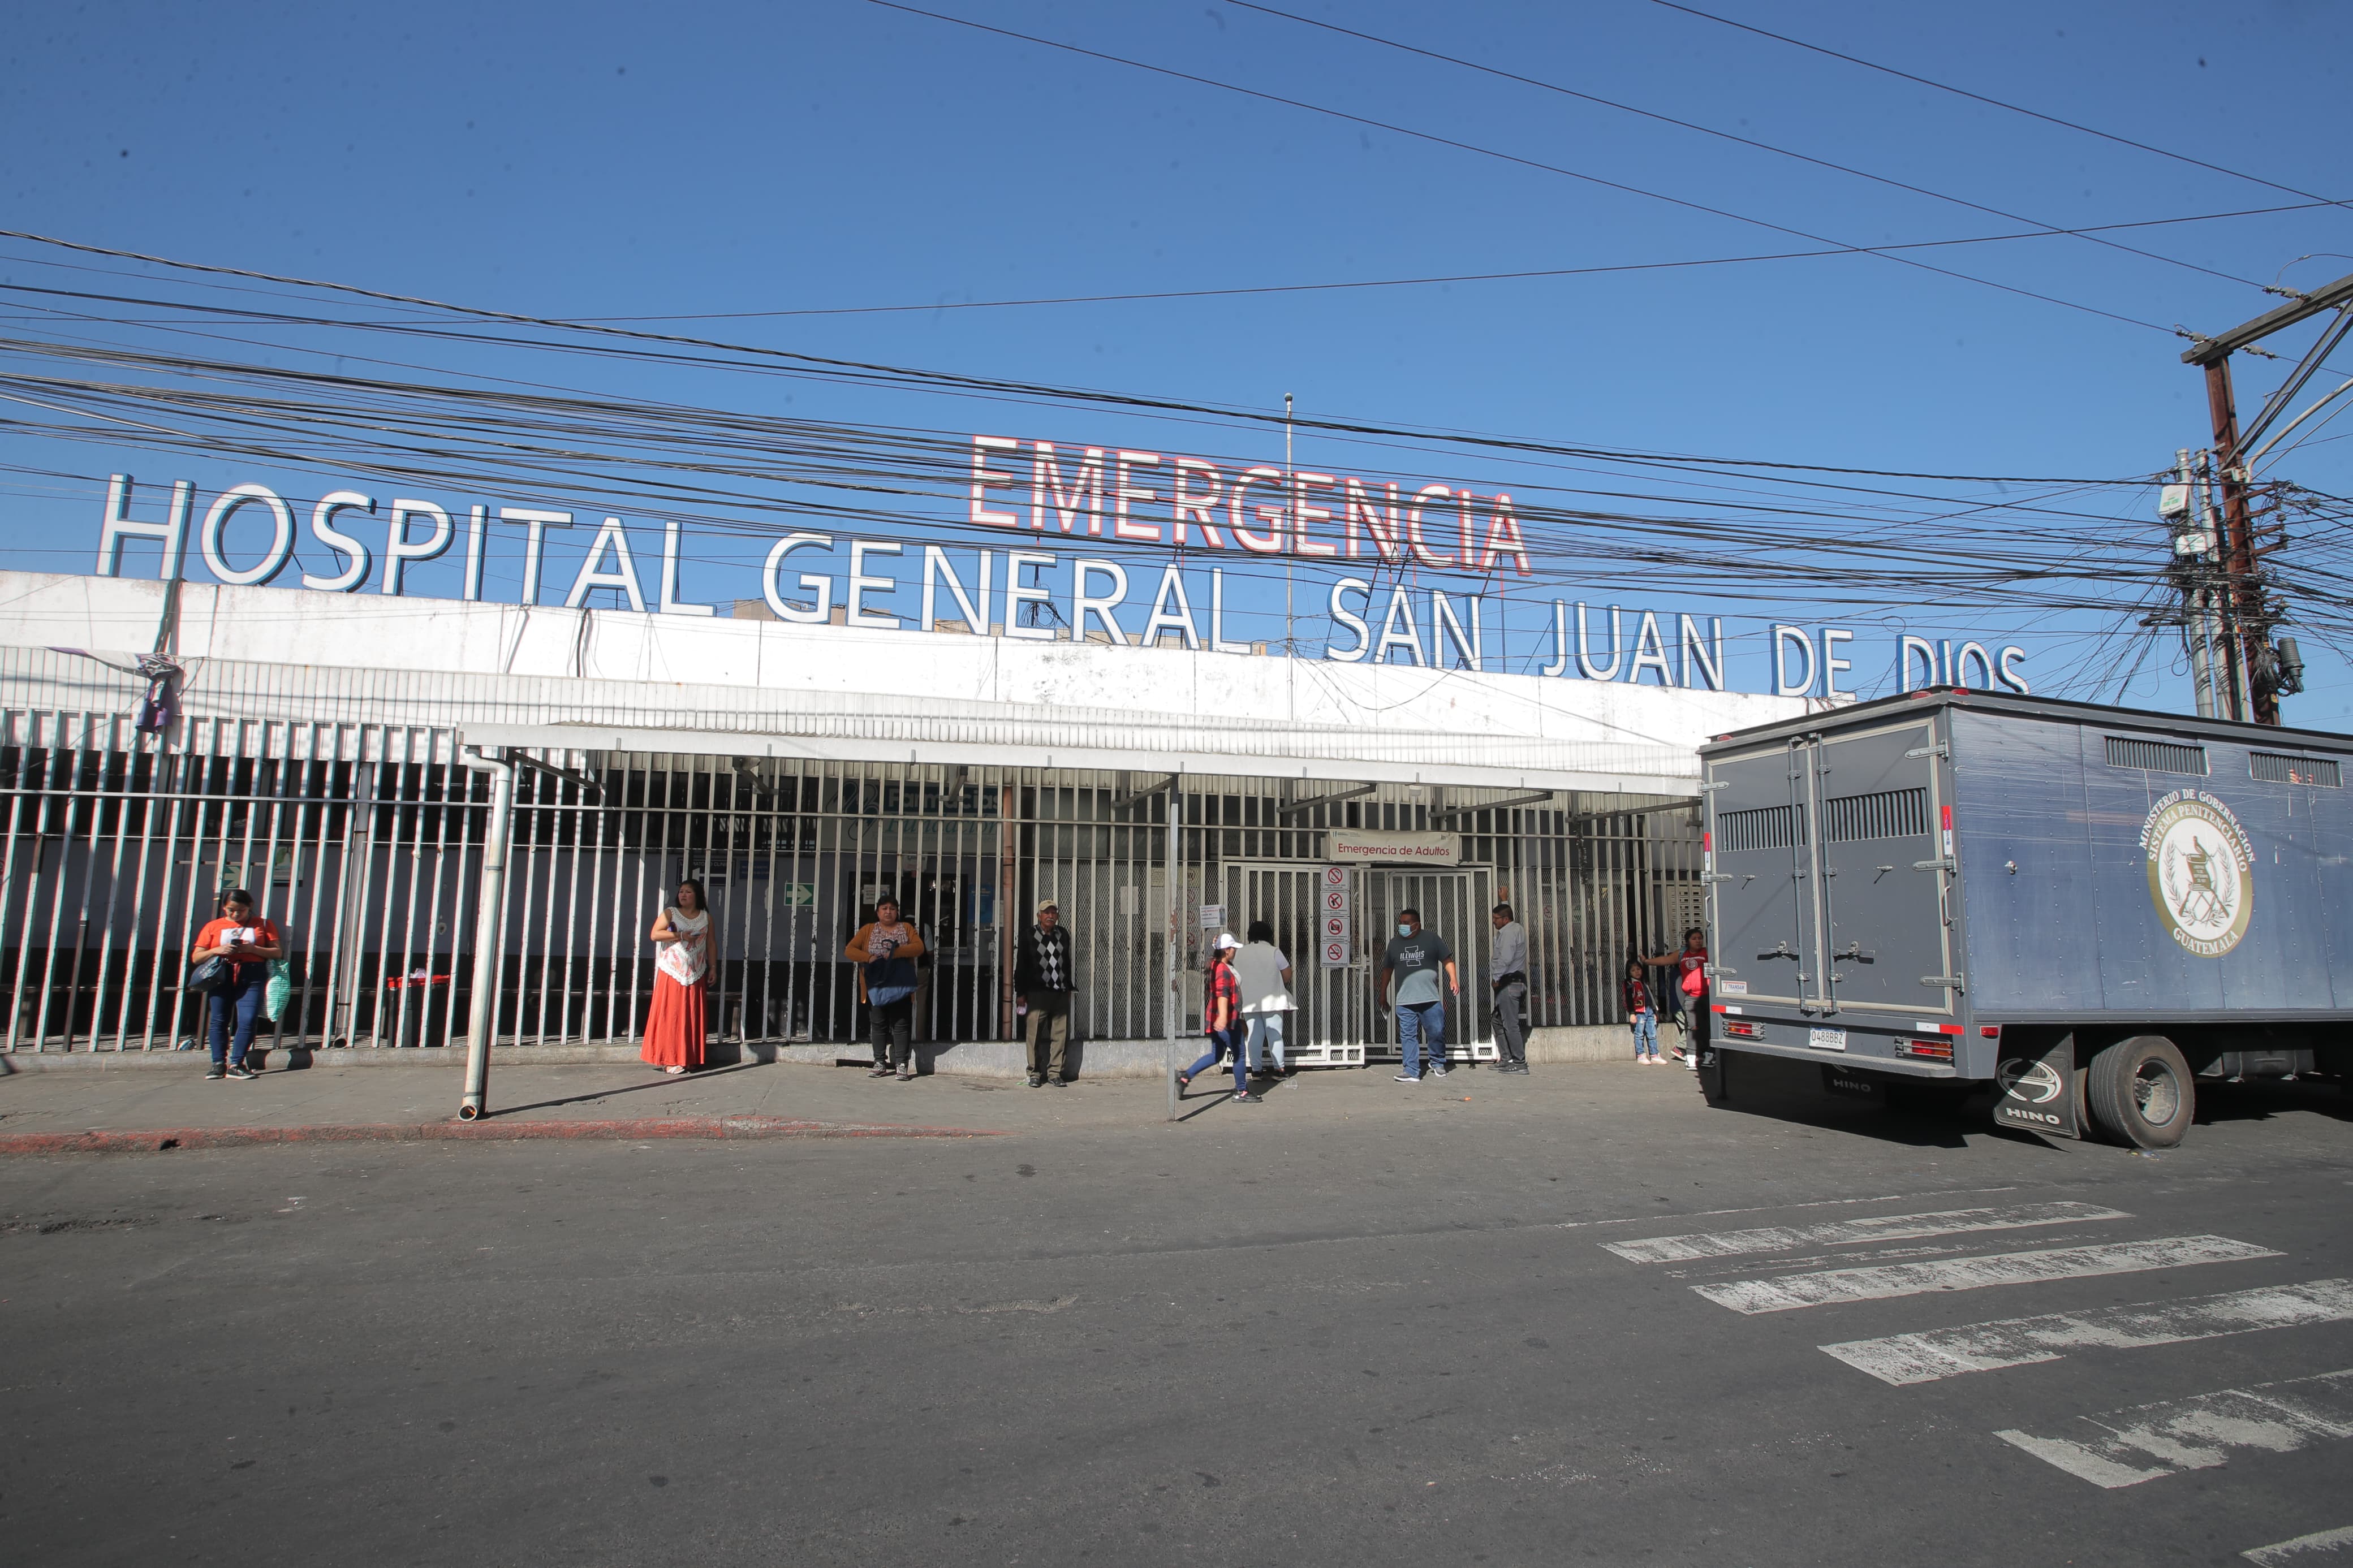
x: 1263, y: 974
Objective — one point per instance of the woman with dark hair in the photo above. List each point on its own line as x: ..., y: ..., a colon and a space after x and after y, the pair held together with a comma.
x: 885, y: 949
x: 1220, y: 1021
x: 248, y: 944
x: 1691, y: 979
x: 675, y: 1026
x: 1263, y: 974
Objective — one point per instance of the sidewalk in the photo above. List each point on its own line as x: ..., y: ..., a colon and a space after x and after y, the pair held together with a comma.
x: 59, y: 1112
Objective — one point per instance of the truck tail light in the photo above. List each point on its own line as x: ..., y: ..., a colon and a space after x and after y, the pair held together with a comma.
x: 1934, y: 1051
x: 1989, y: 1031
x: 1742, y: 1029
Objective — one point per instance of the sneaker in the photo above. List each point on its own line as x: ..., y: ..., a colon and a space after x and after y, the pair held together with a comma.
x: 878, y: 1070
x: 1692, y: 1061
x: 1406, y: 1077
x: 1036, y: 1080
x: 906, y: 1075
x: 1183, y: 1080
x: 1057, y: 1082
x: 216, y: 1070
x: 1247, y: 1098
x: 1437, y: 1072
x: 240, y: 1070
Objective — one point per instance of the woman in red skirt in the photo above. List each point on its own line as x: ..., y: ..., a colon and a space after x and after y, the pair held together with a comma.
x: 674, y: 1028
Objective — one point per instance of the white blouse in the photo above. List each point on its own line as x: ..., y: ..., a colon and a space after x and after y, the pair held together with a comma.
x: 685, y: 959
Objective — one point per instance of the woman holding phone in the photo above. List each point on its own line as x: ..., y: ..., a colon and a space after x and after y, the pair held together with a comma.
x: 247, y: 945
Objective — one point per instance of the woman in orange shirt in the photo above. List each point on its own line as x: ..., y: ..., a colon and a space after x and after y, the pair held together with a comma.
x: 248, y: 944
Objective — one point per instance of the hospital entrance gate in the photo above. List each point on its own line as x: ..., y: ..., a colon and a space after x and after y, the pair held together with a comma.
x: 1344, y: 1019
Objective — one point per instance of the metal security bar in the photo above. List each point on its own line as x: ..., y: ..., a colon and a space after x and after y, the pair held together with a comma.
x: 364, y: 844
x: 358, y: 841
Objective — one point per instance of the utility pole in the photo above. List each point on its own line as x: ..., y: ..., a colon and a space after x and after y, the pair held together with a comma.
x: 2250, y: 665
x: 2242, y: 596
x: 2193, y: 548
x: 1290, y: 540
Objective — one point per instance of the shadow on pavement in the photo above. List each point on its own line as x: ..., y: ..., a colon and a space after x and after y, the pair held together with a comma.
x: 2260, y: 1100
x: 1792, y: 1092
x: 660, y: 1081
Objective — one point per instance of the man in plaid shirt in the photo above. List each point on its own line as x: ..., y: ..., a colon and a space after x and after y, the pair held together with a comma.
x: 1041, y: 975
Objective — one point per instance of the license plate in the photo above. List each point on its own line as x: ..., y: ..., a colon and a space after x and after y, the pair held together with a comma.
x: 1825, y: 1039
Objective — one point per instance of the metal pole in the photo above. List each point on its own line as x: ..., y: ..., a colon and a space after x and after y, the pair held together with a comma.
x: 482, y: 1016
x: 2212, y: 702
x: 1173, y: 961
x: 1290, y: 542
x: 2191, y: 571
x: 2241, y: 601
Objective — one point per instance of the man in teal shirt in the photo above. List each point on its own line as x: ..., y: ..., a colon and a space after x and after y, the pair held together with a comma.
x: 1418, y: 958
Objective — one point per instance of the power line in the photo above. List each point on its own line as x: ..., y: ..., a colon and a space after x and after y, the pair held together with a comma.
x: 854, y: 369
x: 1997, y: 103
x: 1536, y: 164
x: 2042, y: 232
x: 1729, y: 136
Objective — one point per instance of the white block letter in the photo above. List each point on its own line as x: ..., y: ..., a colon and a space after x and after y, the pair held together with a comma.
x: 282, y: 543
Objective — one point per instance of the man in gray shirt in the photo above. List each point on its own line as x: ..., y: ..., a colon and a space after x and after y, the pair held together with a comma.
x: 1418, y: 958
x: 1507, y: 974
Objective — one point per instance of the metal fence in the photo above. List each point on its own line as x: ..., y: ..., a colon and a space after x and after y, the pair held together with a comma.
x: 363, y: 844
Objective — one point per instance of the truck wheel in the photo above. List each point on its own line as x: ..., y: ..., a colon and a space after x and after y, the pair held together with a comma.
x: 2139, y: 1092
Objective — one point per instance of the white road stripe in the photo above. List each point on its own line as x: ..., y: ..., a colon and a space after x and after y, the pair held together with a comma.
x: 1792, y: 1291
x: 1902, y: 1359
x: 2124, y: 1447
x: 1785, y: 1208
x: 2321, y: 1544
x: 1883, y: 1227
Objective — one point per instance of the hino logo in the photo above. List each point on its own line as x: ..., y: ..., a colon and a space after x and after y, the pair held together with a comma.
x: 2035, y: 1082
x: 2040, y: 1117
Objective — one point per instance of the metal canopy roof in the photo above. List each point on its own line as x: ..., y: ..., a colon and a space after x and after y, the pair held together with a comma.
x: 1146, y: 747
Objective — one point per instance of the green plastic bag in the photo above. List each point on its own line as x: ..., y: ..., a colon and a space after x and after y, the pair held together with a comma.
x: 280, y: 986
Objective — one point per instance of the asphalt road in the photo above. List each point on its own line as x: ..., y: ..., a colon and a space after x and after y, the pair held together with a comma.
x: 1362, y: 1323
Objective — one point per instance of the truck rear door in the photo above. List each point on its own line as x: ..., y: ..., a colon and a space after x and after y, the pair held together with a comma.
x: 1886, y: 871
x: 1767, y: 931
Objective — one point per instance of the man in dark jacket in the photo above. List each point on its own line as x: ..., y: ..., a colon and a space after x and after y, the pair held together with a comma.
x: 1041, y: 976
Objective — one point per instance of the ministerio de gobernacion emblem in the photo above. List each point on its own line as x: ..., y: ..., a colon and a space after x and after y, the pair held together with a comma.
x: 2201, y: 871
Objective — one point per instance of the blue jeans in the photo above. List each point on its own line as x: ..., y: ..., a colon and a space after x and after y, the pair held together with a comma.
x: 1421, y: 1023
x: 243, y: 1001
x: 1265, y: 1035
x: 1224, y: 1043
x: 1646, y: 1035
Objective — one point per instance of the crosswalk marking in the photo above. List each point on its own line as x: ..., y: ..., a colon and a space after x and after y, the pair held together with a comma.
x: 2126, y: 1447
x: 1902, y: 1359
x: 1794, y: 1290
x: 2337, y: 1543
x: 1884, y: 1227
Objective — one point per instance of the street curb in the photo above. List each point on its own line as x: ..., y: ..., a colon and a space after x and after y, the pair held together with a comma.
x: 150, y: 1139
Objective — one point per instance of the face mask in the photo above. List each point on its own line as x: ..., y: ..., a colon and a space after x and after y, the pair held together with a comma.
x: 1404, y: 930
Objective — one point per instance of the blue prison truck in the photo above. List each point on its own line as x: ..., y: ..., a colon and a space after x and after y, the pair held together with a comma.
x: 2087, y: 908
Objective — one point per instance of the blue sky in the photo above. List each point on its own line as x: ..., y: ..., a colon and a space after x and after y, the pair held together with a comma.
x: 604, y: 161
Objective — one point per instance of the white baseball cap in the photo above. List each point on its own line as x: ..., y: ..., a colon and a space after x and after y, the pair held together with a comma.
x: 1225, y: 939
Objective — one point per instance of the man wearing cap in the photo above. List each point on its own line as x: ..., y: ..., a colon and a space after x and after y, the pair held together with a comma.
x: 1042, y: 975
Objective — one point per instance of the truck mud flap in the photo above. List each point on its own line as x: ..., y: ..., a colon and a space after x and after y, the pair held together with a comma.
x: 2038, y: 1091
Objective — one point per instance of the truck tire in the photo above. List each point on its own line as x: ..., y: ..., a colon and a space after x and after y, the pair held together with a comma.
x: 2139, y: 1092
